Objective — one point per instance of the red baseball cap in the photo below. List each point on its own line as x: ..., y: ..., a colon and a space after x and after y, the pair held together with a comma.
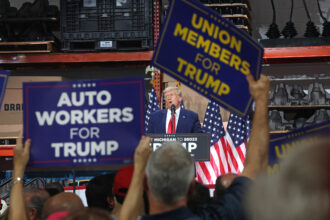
x: 123, y: 180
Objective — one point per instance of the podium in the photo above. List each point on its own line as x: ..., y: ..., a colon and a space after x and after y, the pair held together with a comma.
x: 197, y: 144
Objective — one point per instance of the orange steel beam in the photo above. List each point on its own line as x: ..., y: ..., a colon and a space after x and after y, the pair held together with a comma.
x: 6, y: 151
x: 278, y: 54
x: 307, y: 53
x: 76, y: 57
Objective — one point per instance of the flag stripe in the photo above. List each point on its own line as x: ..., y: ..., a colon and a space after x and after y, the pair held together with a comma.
x: 204, y: 176
x: 232, y: 159
x: 241, y: 156
x: 242, y: 152
x: 223, y: 155
x: 211, y: 172
x: 214, y: 159
x: 200, y: 175
x: 205, y: 171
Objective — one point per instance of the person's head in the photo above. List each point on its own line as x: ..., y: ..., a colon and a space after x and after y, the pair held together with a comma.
x: 34, y: 200
x: 64, y: 201
x: 169, y: 174
x: 54, y: 188
x: 122, y: 182
x: 90, y: 214
x: 99, y: 192
x: 222, y: 183
x: 172, y: 96
x: 299, y: 190
x: 200, y: 195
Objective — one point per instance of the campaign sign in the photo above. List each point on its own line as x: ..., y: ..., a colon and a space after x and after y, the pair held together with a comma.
x: 3, y: 84
x: 86, y: 122
x: 197, y: 144
x: 209, y: 54
x: 281, y: 144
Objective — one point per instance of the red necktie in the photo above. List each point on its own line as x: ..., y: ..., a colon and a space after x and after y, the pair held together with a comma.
x: 171, y: 125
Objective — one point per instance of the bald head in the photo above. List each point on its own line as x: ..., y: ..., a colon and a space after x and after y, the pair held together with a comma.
x: 222, y: 183
x: 227, y: 179
x: 64, y: 201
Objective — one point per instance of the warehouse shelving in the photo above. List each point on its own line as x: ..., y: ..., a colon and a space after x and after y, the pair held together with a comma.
x: 271, y: 55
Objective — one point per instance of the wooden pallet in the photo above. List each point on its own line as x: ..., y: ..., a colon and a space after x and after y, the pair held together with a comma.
x: 26, y: 47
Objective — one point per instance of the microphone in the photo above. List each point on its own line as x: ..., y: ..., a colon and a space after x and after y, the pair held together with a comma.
x: 173, y: 118
x: 172, y: 109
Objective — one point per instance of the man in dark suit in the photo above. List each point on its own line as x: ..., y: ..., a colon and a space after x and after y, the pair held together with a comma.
x: 185, y: 121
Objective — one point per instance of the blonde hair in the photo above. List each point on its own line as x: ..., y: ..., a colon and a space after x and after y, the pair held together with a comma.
x: 178, y: 91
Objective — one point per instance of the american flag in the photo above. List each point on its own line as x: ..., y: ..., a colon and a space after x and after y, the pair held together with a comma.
x: 237, y: 134
x: 152, y: 107
x: 228, y: 149
x: 207, y: 172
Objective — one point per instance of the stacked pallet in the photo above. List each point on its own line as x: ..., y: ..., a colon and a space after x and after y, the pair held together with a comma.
x: 236, y: 11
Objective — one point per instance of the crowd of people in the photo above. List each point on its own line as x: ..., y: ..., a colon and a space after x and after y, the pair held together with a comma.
x: 161, y: 184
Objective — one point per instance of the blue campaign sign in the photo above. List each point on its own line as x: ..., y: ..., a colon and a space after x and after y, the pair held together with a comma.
x: 281, y: 144
x: 86, y: 122
x: 3, y: 84
x: 208, y: 53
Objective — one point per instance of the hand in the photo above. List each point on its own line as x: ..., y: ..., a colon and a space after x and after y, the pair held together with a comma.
x: 259, y: 89
x: 142, y: 152
x: 21, y: 154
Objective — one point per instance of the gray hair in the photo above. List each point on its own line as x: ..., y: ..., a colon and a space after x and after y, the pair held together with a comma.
x: 299, y: 190
x: 37, y: 199
x: 178, y: 91
x: 170, y: 171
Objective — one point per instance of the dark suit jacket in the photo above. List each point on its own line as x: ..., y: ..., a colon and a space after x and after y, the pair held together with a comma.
x: 188, y: 122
